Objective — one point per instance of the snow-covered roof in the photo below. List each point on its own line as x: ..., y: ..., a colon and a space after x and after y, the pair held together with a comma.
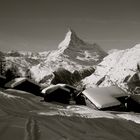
x: 104, y: 97
x: 52, y: 88
x: 67, y: 86
x: 13, y: 83
x: 2, y: 77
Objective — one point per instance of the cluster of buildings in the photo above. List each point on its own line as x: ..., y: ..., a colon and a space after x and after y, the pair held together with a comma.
x: 105, y: 98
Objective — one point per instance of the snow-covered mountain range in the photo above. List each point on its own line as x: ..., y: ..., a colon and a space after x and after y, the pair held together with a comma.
x: 76, y: 56
x: 23, y: 60
x: 72, y: 54
x: 115, y: 68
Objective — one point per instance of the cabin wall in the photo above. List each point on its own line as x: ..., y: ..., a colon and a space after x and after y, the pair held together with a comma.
x: 58, y: 95
x: 133, y: 105
x: 29, y: 87
x: 2, y: 82
x: 115, y: 108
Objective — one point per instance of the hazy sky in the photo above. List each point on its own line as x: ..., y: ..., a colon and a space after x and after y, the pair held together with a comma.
x: 41, y: 25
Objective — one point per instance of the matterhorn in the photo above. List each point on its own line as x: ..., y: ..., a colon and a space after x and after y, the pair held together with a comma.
x: 72, y: 54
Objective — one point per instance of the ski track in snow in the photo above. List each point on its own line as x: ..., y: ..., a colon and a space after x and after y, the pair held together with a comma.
x: 26, y: 118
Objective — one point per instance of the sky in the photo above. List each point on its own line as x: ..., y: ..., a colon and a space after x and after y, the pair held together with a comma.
x: 40, y: 25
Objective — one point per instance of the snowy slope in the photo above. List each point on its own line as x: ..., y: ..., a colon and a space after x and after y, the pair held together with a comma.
x: 24, y: 60
x: 72, y: 54
x: 24, y: 117
x: 115, y: 67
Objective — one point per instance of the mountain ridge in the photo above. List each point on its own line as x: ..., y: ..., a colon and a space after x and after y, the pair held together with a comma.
x: 72, y: 54
x: 115, y: 68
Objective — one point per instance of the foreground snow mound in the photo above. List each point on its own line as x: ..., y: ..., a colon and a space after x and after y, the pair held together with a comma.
x: 78, y: 111
x: 114, y: 68
x: 72, y: 54
x: 24, y: 117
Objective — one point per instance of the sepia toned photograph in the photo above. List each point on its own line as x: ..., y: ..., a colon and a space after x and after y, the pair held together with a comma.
x: 69, y: 70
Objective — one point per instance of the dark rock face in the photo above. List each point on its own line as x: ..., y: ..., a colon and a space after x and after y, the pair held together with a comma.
x: 64, y: 76
x: 133, y: 82
x: 81, y: 74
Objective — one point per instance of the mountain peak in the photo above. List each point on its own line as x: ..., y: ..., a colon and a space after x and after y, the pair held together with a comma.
x: 71, y: 30
x: 136, y: 46
x: 69, y: 39
x: 66, y: 40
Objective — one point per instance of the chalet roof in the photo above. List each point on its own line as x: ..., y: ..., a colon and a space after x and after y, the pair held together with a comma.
x: 2, y: 80
x: 17, y: 81
x: 136, y: 98
x: 52, y: 88
x: 104, y: 97
x: 2, y: 77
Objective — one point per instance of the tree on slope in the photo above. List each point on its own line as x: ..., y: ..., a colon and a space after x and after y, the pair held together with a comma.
x: 62, y: 75
x: 2, y: 64
x: 12, y: 73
